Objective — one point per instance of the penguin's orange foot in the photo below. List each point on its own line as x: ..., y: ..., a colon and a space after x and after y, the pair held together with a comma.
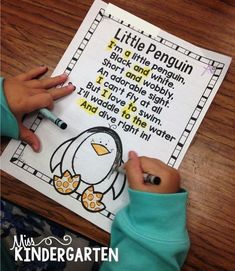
x: 66, y: 184
x: 91, y: 200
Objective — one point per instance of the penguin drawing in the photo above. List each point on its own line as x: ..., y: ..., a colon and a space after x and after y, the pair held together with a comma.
x: 86, y: 164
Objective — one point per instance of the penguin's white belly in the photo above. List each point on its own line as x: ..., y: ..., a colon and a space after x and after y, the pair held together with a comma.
x: 92, y: 168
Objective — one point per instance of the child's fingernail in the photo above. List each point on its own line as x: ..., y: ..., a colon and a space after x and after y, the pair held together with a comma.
x: 64, y: 75
x: 36, y: 147
x: 70, y: 86
x: 132, y: 155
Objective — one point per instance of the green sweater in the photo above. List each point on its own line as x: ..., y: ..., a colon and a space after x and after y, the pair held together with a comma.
x: 9, y: 125
x: 149, y: 233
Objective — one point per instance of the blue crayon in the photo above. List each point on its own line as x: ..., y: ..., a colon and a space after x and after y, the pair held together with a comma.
x: 49, y: 115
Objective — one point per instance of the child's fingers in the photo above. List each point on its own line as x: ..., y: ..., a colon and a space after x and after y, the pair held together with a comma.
x: 158, y: 168
x: 42, y: 100
x: 46, y: 83
x: 136, y: 167
x: 134, y: 171
x: 53, y: 81
x: 29, y: 137
x: 33, y: 73
x: 57, y: 93
x: 170, y: 178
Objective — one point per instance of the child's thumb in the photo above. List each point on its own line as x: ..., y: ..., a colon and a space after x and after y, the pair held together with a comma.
x: 134, y: 171
x: 29, y: 137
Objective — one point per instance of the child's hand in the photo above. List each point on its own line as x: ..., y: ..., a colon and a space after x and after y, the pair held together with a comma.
x: 136, y: 166
x: 25, y: 93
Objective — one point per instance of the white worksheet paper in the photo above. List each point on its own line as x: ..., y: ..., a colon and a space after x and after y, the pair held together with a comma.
x: 137, y: 88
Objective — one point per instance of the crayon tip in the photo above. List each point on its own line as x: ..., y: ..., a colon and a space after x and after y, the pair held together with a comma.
x: 63, y: 126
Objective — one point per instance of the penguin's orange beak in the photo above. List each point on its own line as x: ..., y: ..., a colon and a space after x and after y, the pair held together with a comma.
x: 100, y: 149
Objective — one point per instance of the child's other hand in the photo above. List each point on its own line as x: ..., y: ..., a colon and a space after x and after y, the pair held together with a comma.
x: 25, y: 93
x: 136, y: 166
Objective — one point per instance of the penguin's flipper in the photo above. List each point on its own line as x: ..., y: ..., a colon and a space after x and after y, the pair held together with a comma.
x: 115, y: 182
x: 118, y: 185
x: 58, y: 154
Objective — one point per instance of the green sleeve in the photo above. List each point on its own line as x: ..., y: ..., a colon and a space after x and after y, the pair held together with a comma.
x: 9, y: 125
x: 150, y: 233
